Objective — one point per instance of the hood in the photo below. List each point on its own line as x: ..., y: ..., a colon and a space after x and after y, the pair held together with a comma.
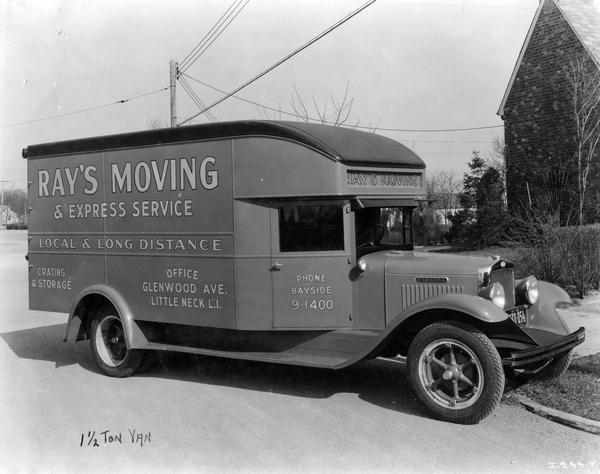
x: 437, y: 264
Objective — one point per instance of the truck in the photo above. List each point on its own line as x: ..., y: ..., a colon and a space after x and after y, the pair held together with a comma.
x: 280, y: 242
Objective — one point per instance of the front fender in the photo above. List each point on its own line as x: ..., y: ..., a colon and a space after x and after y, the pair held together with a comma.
x: 495, y: 323
x: 543, y: 315
x: 475, y: 306
x: 432, y: 309
x: 133, y: 336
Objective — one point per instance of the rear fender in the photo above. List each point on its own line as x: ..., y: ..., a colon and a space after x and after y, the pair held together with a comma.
x: 134, y: 338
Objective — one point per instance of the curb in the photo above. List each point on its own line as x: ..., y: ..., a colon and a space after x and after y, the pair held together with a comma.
x: 558, y: 416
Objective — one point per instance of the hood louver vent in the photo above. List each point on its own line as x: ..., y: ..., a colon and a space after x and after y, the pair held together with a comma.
x: 412, y: 294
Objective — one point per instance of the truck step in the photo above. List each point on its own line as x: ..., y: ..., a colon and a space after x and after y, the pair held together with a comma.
x: 288, y: 357
x: 327, y: 349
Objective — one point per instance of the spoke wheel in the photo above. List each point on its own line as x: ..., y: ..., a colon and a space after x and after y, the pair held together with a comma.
x: 456, y: 372
x: 451, y: 373
x: 110, y: 340
x: 109, y: 345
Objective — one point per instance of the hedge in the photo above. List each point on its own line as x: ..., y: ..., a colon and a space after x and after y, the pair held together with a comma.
x: 569, y: 256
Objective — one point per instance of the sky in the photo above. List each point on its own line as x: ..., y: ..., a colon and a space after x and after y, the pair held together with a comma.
x: 407, y: 64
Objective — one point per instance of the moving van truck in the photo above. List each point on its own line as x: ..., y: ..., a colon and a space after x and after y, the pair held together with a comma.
x: 280, y: 242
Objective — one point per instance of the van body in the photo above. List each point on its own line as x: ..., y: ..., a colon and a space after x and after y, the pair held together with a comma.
x: 274, y: 241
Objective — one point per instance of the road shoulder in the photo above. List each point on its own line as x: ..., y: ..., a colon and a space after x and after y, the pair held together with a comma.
x: 558, y: 416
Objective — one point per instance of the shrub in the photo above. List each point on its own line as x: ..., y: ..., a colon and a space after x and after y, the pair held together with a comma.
x: 567, y: 255
x: 482, y: 220
x: 428, y: 229
x: 580, y: 247
x: 535, y: 239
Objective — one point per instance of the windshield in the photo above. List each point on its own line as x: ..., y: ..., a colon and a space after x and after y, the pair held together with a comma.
x: 379, y: 228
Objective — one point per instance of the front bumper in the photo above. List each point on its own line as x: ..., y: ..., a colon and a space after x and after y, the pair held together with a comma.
x: 540, y: 354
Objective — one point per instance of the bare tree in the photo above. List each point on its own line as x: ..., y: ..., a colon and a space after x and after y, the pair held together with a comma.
x: 155, y: 123
x: 499, y: 162
x: 583, y: 78
x: 444, y: 187
x: 15, y: 199
x: 338, y: 116
x: 535, y: 239
x: 498, y: 148
x: 268, y: 113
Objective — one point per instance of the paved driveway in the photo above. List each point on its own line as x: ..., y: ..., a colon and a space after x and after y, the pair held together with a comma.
x: 586, y: 314
x: 205, y: 414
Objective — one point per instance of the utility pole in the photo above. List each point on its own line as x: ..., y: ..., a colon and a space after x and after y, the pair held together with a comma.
x: 172, y: 89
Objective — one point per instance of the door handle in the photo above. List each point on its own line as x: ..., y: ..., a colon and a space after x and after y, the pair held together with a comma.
x: 276, y: 267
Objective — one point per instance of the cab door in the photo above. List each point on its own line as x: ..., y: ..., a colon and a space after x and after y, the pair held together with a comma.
x: 310, y: 265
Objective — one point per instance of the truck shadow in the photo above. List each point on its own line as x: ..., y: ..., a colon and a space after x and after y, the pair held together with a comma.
x: 45, y: 343
x: 378, y: 382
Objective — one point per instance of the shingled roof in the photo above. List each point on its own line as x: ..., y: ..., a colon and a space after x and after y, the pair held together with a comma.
x: 583, y: 16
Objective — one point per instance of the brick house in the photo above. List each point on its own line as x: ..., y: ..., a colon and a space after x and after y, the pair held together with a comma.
x: 541, y: 164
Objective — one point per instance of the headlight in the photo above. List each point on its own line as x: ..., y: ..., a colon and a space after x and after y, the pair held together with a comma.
x: 494, y: 293
x: 362, y: 264
x: 528, y: 289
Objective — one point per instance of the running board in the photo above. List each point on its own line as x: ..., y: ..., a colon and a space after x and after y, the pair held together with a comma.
x: 328, y: 349
x: 288, y: 357
x: 396, y: 360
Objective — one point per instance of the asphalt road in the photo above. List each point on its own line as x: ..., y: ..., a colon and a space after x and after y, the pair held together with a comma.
x: 208, y: 414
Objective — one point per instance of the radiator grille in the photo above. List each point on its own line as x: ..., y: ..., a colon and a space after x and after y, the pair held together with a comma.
x: 412, y: 294
x: 506, y: 278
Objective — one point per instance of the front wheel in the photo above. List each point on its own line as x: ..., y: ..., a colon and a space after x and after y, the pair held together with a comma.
x: 107, y: 340
x: 456, y: 372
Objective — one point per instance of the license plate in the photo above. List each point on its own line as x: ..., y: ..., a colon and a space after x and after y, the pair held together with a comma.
x: 518, y: 315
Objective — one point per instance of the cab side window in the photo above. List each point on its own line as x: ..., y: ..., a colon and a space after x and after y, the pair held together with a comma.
x: 304, y: 228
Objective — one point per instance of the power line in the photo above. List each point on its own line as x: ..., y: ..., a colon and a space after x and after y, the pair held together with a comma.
x: 205, y: 44
x: 204, y: 38
x: 248, y: 101
x: 281, y: 61
x: 188, y: 88
x: 191, y: 95
x: 386, y: 129
x: 462, y: 142
x: 462, y: 4
x: 436, y: 130
x: 197, y: 100
x: 121, y: 101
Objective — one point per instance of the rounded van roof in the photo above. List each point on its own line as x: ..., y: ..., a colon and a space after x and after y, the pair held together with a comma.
x: 349, y: 146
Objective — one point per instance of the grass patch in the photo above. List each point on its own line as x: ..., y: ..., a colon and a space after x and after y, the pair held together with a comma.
x: 576, y: 392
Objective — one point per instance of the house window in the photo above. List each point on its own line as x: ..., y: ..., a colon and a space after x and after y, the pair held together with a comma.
x: 306, y: 228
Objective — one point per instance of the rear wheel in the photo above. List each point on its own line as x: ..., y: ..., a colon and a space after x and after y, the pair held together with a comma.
x: 109, y: 346
x: 456, y: 372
